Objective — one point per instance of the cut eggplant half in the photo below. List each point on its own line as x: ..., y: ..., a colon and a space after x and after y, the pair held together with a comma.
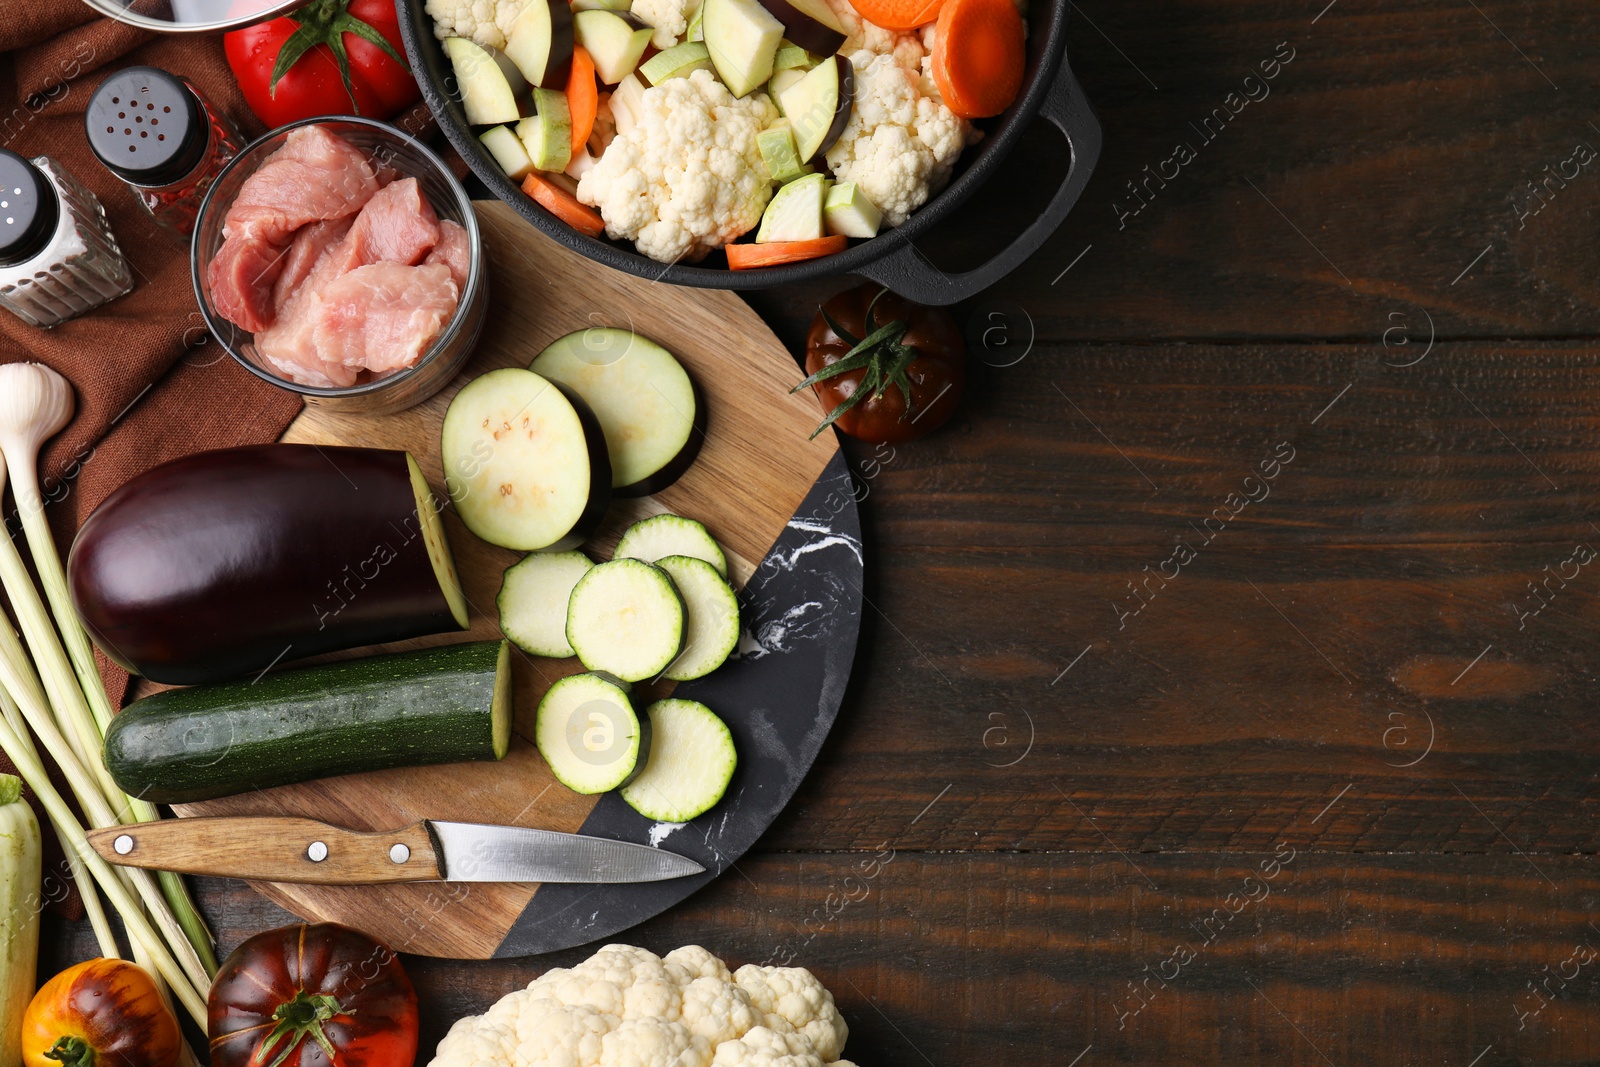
x: 743, y: 39
x: 626, y: 618
x: 223, y: 563
x: 615, y: 40
x: 660, y: 536
x: 690, y: 763
x: 533, y: 601
x: 540, y: 43
x: 713, y: 617
x: 818, y: 106
x: 649, y: 410
x: 487, y: 96
x: 588, y: 733
x: 525, y: 461
x: 811, y: 24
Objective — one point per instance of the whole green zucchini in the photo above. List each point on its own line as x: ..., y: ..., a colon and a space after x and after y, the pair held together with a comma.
x: 437, y: 705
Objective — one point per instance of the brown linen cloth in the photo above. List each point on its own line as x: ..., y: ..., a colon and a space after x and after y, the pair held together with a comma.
x: 151, y: 384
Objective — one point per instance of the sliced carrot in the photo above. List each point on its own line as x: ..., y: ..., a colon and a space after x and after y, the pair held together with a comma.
x: 751, y: 256
x: 563, y: 205
x: 898, y: 14
x: 979, y: 56
x: 583, y: 97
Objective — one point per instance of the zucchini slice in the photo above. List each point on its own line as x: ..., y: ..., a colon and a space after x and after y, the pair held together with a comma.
x: 588, y: 733
x: 713, y: 617
x: 647, y: 407
x: 626, y: 618
x: 533, y: 601
x: 671, y: 535
x: 525, y: 461
x: 691, y: 762
x: 437, y: 705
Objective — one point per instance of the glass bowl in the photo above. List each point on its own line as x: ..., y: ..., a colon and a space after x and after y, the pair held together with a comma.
x: 191, y: 16
x: 387, y: 147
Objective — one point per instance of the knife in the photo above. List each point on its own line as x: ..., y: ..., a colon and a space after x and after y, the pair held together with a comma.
x: 286, y: 849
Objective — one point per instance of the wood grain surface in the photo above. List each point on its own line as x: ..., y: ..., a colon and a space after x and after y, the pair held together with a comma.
x: 753, y: 470
x: 1354, y: 666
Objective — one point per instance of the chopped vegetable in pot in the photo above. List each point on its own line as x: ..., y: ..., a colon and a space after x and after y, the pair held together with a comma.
x: 688, y: 120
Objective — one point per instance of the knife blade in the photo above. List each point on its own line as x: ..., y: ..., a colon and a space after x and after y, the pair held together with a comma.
x: 287, y: 849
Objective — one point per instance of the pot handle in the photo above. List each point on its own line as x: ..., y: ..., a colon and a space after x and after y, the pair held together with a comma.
x: 910, y: 274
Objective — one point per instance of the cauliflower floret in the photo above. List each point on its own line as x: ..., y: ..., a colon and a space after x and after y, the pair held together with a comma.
x: 901, y: 142
x: 555, y: 1035
x: 718, y: 1010
x: 654, y: 1043
x: 473, y: 1042
x: 795, y: 994
x: 669, y: 17
x: 699, y: 963
x: 485, y: 21
x: 620, y: 981
x: 687, y: 177
x: 762, y: 1047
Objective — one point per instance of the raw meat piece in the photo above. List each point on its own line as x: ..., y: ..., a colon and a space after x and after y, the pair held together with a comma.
x: 314, y: 176
x: 241, y: 276
x: 309, y: 244
x: 453, y: 251
x: 396, y: 226
x: 383, y: 316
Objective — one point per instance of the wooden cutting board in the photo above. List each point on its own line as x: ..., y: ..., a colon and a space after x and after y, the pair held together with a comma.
x: 754, y: 470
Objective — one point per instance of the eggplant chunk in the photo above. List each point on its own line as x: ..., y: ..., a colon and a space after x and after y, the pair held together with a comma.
x: 227, y: 562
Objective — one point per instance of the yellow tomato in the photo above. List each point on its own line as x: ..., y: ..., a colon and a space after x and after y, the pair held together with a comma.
x: 102, y: 1013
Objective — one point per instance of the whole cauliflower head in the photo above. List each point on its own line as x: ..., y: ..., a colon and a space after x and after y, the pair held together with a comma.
x: 687, y: 177
x: 628, y: 1007
x: 670, y: 18
x: 485, y: 21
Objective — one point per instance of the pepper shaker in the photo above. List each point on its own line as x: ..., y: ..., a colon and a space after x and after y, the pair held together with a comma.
x: 58, y: 258
x: 157, y: 133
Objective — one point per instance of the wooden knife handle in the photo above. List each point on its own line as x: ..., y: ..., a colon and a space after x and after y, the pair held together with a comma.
x: 273, y: 849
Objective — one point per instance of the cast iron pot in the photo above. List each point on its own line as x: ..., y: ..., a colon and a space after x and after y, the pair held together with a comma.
x: 891, y: 258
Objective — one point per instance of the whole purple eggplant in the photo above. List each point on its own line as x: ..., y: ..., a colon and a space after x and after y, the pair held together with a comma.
x: 228, y: 562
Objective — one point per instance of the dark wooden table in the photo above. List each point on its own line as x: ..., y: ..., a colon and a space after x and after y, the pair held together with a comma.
x: 1317, y: 787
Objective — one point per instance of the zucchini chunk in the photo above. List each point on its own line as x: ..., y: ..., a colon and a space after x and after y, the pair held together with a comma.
x: 587, y: 732
x: 691, y: 762
x: 436, y: 705
x: 713, y: 617
x: 671, y: 535
x: 626, y: 618
x: 533, y: 601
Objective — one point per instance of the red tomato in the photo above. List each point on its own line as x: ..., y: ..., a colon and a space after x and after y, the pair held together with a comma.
x: 312, y: 996
x: 885, y: 369
x: 290, y: 68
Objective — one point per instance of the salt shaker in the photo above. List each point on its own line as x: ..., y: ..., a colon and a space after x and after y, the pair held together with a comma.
x: 157, y: 133
x: 58, y: 257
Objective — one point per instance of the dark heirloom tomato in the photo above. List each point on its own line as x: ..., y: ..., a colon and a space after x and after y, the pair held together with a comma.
x: 312, y: 996
x: 885, y: 369
x: 101, y: 1013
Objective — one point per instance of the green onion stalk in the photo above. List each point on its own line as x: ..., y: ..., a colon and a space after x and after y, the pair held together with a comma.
x: 35, y: 404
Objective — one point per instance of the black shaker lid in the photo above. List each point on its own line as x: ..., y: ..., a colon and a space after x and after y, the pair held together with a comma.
x: 29, y: 209
x: 146, y: 126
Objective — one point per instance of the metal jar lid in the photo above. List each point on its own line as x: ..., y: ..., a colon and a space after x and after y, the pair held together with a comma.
x: 29, y: 209
x: 147, y: 126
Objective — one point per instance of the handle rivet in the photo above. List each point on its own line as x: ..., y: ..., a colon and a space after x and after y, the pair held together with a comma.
x: 123, y: 844
x: 399, y: 853
x: 317, y: 852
